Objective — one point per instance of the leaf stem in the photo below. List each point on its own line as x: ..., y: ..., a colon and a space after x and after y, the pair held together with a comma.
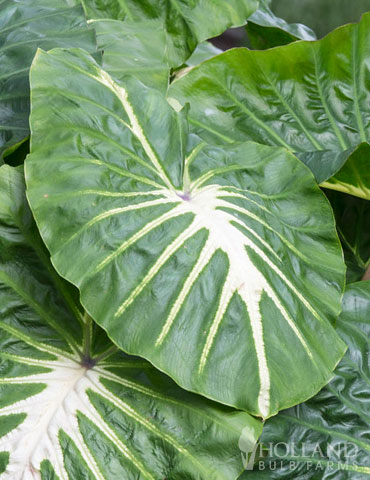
x: 366, y: 275
x: 111, y: 350
x: 87, y: 335
x: 352, y: 249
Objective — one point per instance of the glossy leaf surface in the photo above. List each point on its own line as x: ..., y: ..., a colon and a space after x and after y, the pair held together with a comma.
x: 310, y: 97
x: 185, y: 22
x: 72, y: 408
x: 328, y: 437
x: 220, y: 266
x: 26, y: 25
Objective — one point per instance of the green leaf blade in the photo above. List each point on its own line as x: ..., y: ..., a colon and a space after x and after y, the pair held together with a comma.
x: 310, y: 97
x: 207, y: 257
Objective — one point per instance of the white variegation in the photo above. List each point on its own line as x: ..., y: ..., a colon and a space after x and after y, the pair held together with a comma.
x: 55, y: 408
x: 243, y: 278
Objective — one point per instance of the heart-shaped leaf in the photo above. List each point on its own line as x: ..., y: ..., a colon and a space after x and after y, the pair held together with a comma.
x: 26, y: 25
x: 310, y: 97
x: 328, y: 436
x: 72, y: 408
x: 220, y: 266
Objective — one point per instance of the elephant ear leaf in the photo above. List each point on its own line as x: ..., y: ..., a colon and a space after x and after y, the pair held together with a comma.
x: 24, y: 26
x: 328, y: 436
x: 71, y: 405
x: 185, y: 23
x: 221, y: 265
x: 310, y: 97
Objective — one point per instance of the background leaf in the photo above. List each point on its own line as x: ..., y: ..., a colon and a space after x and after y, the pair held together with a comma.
x: 266, y: 30
x: 322, y: 16
x: 222, y: 265
x: 185, y: 22
x: 310, y: 97
x: 203, y: 52
x: 337, y: 417
x: 69, y: 412
x: 26, y: 25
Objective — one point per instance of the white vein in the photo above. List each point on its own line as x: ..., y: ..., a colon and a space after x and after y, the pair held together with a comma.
x: 36, y: 438
x: 117, y: 211
x: 225, y: 297
x: 136, y: 128
x: 56, y: 408
x: 203, y: 260
x: 163, y: 258
x: 137, y: 236
x: 243, y: 278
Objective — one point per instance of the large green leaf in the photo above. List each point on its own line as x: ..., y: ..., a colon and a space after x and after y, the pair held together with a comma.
x: 134, y: 48
x: 328, y: 437
x: 266, y: 30
x: 26, y: 25
x: 310, y: 97
x: 72, y: 408
x: 185, y: 22
x: 222, y: 267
